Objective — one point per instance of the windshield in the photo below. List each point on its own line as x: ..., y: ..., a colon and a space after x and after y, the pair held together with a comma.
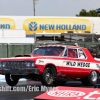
x: 48, y: 51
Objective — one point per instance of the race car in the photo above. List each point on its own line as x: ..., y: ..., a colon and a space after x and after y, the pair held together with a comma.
x: 52, y: 65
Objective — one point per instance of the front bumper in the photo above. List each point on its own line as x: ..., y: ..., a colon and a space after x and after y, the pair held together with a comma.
x: 20, y: 71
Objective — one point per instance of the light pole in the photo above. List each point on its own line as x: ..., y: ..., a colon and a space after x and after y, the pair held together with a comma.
x: 54, y: 31
x: 34, y: 2
x: 76, y: 32
x: 34, y: 6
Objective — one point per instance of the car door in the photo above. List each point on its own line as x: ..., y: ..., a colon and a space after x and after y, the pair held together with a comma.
x: 69, y: 66
x: 83, y: 64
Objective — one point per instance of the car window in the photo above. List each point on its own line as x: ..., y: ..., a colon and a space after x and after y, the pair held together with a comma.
x: 81, y: 54
x: 39, y: 52
x: 51, y: 51
x: 65, y: 55
x: 72, y: 53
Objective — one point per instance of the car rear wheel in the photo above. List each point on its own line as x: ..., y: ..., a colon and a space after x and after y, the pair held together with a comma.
x: 47, y: 76
x: 11, y: 80
x: 91, y: 79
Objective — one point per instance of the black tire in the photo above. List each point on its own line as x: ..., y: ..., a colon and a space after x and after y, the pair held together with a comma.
x: 91, y: 80
x: 59, y: 83
x: 11, y: 80
x: 47, y: 76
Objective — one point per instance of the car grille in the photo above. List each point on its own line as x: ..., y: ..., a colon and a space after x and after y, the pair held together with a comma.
x: 16, y: 64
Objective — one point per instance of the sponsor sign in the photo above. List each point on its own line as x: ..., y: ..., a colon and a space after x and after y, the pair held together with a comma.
x: 78, y: 64
x: 71, y: 93
x: 57, y: 25
x: 7, y: 23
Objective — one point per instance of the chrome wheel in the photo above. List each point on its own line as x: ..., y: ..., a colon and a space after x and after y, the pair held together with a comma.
x: 48, y: 76
x: 94, y: 76
x: 91, y: 80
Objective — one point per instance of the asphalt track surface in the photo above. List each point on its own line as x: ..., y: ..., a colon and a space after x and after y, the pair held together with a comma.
x: 12, y: 95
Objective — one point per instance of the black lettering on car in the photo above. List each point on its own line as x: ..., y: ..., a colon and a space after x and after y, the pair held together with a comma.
x: 67, y: 63
x: 87, y: 64
x: 78, y: 64
x: 74, y: 63
x: 83, y: 64
x: 70, y: 63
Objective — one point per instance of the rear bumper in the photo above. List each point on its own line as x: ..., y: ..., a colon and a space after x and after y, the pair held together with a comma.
x: 20, y: 71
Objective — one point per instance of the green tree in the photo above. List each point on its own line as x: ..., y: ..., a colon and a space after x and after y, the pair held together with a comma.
x: 91, y: 13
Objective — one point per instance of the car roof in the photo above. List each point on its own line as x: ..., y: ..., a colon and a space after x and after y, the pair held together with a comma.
x: 62, y: 46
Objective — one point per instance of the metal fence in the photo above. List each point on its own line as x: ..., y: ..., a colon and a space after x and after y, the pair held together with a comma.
x: 10, y: 50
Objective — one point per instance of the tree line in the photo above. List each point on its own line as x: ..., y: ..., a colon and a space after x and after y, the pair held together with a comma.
x: 91, y: 13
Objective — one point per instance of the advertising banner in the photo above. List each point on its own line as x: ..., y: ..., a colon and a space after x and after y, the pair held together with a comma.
x: 70, y: 93
x: 56, y: 25
x: 7, y: 23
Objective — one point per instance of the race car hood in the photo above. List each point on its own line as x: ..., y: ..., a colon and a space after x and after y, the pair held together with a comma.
x: 28, y: 57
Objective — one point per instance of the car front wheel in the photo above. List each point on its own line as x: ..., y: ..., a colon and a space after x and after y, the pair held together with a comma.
x: 11, y: 80
x: 91, y: 79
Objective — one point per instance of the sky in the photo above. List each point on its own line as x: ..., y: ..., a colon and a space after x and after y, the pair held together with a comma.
x: 46, y: 7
